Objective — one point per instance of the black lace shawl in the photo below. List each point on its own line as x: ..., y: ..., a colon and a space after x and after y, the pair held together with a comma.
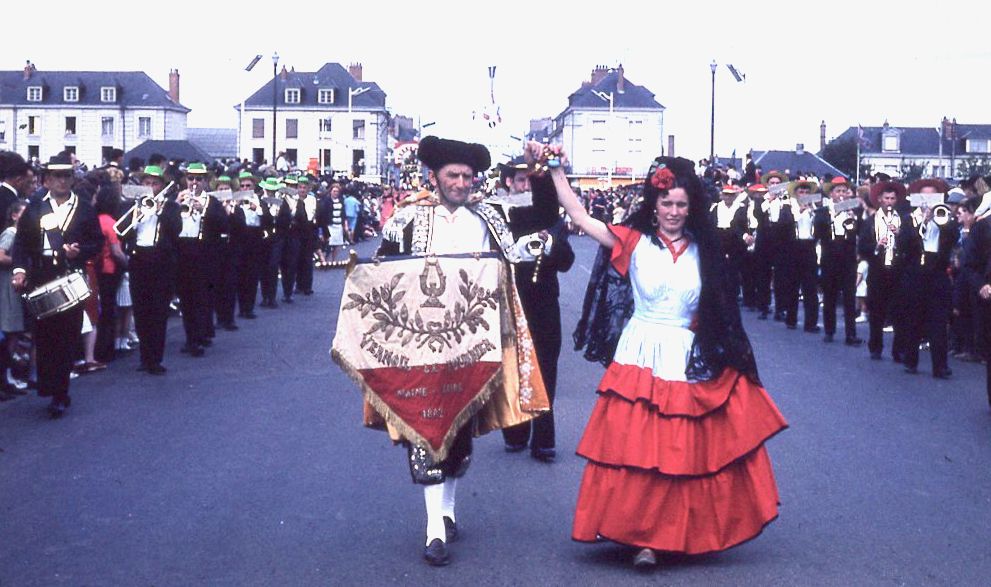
x: 720, y: 340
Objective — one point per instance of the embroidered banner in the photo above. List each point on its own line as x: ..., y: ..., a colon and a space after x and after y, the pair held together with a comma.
x: 422, y: 337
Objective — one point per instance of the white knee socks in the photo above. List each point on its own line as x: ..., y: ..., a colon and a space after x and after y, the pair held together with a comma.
x: 433, y: 498
x: 439, y: 500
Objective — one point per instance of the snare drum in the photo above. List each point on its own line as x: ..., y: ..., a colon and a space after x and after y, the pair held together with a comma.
x: 57, y: 295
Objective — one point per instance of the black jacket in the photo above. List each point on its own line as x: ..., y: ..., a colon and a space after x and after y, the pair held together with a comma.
x: 83, y: 229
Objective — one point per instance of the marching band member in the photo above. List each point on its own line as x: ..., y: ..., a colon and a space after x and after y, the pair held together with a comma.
x: 155, y: 246
x: 837, y: 235
x: 775, y: 227
x: 294, y: 219
x: 226, y: 259
x: 926, y: 242
x: 201, y: 216
x: 729, y: 216
x: 455, y: 225
x: 878, y: 237
x: 307, y: 236
x: 56, y: 234
x: 273, y: 223
x: 748, y: 261
x: 250, y: 238
x: 803, y: 262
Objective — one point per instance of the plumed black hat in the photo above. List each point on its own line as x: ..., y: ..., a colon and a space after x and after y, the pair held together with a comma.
x: 435, y: 153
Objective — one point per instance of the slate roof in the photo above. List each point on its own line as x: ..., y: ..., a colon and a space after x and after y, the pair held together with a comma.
x: 633, y: 96
x: 330, y: 76
x: 218, y: 143
x: 917, y: 141
x: 173, y: 150
x: 135, y: 89
x: 794, y: 162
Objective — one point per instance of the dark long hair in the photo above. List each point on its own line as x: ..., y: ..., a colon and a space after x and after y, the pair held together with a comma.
x: 720, y: 340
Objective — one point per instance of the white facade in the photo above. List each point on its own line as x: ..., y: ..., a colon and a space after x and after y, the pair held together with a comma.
x: 360, y: 134
x: 624, y: 142
x: 45, y: 131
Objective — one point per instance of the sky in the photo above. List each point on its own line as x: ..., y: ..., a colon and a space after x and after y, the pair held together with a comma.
x: 842, y: 62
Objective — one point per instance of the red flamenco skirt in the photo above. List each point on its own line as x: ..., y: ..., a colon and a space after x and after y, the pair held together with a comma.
x: 677, y: 466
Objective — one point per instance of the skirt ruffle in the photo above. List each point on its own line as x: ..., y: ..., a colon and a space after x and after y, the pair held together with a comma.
x: 679, y: 428
x: 677, y: 466
x: 677, y: 514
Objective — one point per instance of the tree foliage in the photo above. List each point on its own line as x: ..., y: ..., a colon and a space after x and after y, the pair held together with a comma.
x: 842, y: 154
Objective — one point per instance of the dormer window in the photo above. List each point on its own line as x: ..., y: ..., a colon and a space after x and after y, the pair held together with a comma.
x: 325, y: 96
x: 978, y: 146
x: 891, y: 139
x: 70, y: 93
x: 34, y: 93
x: 108, y: 94
x: 292, y: 96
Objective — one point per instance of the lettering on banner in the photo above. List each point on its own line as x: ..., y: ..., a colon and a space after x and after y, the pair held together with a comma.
x: 411, y: 393
x: 451, y: 388
x: 432, y: 413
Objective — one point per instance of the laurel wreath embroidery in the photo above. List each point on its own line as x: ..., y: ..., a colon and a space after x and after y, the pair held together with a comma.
x: 392, y: 318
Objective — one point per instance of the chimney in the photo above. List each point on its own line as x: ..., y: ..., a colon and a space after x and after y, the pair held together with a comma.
x: 800, y: 149
x: 355, y: 70
x: 174, y: 85
x: 822, y: 135
x: 671, y: 146
x: 598, y: 73
x: 284, y: 74
x: 620, y: 80
x: 28, y: 70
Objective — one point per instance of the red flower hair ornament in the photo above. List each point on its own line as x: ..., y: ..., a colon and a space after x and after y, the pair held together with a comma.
x: 663, y: 178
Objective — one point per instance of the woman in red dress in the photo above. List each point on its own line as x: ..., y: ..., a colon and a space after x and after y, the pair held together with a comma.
x: 675, y: 443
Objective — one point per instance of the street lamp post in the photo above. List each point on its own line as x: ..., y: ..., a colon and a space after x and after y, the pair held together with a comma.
x: 609, y: 97
x: 275, y: 100
x: 712, y: 122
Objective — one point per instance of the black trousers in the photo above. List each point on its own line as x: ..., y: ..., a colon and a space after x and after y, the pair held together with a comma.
x: 288, y: 264
x: 192, y: 285
x: 253, y: 257
x: 304, y: 270
x: 270, y: 272
x: 839, y: 278
x: 106, y: 329
x: 803, y: 280
x: 926, y: 296
x: 225, y: 291
x: 152, y: 274
x: 772, y: 268
x: 547, y: 344
x: 748, y: 279
x: 882, y: 293
x: 56, y: 340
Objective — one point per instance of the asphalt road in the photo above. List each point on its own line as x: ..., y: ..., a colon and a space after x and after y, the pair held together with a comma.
x: 250, y: 467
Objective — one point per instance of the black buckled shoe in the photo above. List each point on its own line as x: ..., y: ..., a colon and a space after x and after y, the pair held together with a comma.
x: 853, y: 341
x: 827, y: 338
x: 451, y: 529
x: 544, y: 455
x: 436, y: 553
x: 911, y: 370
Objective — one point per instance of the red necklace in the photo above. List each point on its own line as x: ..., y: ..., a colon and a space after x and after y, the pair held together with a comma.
x: 675, y: 253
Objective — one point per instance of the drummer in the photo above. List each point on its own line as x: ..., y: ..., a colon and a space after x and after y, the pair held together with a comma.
x: 56, y: 235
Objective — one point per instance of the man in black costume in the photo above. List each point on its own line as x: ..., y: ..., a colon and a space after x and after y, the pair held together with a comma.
x: 545, y: 253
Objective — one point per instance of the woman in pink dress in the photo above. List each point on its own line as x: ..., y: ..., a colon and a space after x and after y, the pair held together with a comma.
x: 675, y: 443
